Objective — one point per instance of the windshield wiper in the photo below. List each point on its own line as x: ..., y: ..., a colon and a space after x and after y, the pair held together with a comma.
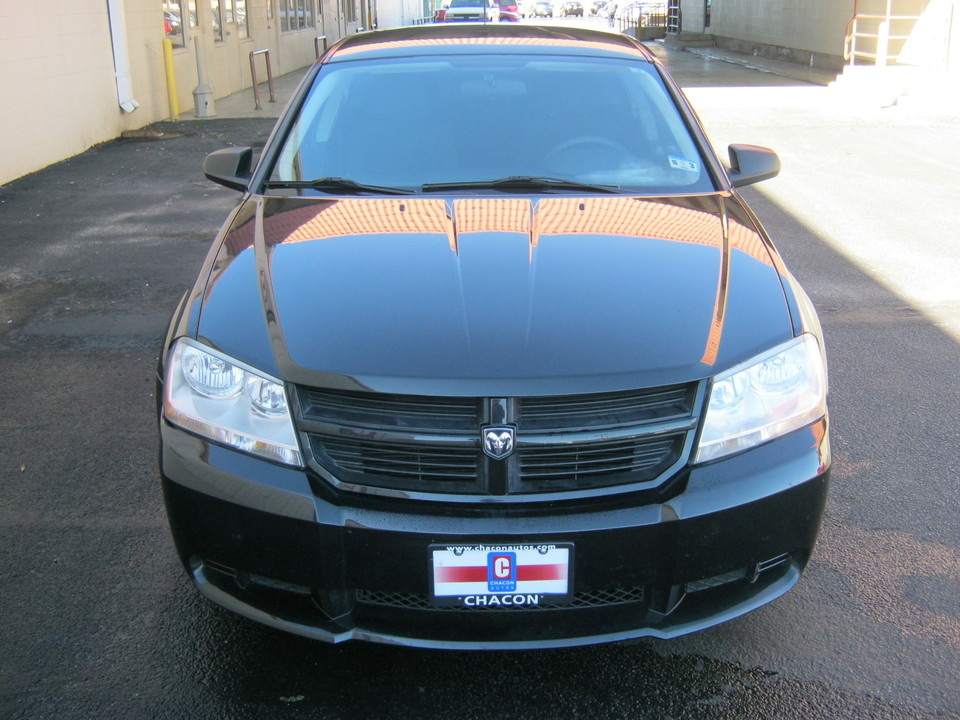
x: 521, y: 182
x: 337, y: 184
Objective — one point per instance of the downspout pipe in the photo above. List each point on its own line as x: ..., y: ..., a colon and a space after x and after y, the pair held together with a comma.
x: 121, y: 56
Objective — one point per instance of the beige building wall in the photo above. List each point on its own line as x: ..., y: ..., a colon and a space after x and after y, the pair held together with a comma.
x: 57, y: 69
x: 57, y: 81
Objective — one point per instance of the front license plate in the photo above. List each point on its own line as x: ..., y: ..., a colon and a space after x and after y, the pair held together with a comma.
x: 505, y: 576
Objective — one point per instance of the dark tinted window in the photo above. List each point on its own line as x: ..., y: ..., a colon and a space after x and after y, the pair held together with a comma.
x: 406, y: 122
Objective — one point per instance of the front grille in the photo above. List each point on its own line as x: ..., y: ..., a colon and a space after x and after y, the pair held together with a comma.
x: 392, y: 465
x: 433, y: 445
x: 587, y: 463
x: 410, y: 412
x: 592, y: 599
x: 418, y: 463
x: 606, y: 409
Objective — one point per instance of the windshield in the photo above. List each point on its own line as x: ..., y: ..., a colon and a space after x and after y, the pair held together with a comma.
x: 473, y: 118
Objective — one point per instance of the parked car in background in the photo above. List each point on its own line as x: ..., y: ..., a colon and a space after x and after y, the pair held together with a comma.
x: 509, y: 11
x: 439, y: 385
x: 571, y: 8
x: 472, y: 11
x: 542, y: 8
x: 597, y: 7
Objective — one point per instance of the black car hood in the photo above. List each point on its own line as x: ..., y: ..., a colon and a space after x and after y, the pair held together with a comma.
x: 494, y: 296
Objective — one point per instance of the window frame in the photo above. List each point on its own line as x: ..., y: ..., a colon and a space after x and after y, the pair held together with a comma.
x: 297, y: 15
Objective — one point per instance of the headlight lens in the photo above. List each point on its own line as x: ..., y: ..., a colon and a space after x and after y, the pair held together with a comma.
x: 780, y: 391
x: 209, y: 375
x: 219, y: 398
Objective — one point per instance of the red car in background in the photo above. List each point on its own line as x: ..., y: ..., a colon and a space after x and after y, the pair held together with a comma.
x: 509, y: 11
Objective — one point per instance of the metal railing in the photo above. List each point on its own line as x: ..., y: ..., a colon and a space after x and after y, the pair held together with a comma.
x: 643, y: 15
x: 876, y: 32
x: 253, y: 76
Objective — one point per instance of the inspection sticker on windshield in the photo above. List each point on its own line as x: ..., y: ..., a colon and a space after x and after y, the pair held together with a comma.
x: 682, y: 164
x: 505, y: 576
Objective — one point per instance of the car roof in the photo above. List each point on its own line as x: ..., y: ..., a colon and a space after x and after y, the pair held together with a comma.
x: 442, y: 38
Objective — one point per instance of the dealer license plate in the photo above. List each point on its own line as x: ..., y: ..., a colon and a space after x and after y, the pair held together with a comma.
x: 504, y: 576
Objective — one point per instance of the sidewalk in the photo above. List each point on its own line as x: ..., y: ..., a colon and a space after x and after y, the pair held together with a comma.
x: 243, y: 104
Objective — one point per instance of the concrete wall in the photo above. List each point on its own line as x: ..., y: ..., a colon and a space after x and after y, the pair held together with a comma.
x: 814, y: 26
x: 691, y: 14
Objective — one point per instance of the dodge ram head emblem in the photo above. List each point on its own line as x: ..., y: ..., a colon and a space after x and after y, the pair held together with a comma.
x: 498, y: 441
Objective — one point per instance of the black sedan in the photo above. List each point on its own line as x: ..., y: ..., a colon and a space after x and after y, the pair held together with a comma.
x: 434, y: 391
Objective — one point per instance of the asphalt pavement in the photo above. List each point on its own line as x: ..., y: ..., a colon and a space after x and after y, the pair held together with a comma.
x: 99, y: 620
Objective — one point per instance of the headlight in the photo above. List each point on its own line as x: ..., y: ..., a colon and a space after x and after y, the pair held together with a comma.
x: 219, y: 398
x: 778, y: 392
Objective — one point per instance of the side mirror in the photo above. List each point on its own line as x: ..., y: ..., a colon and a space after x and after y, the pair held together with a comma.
x: 750, y: 164
x: 231, y: 167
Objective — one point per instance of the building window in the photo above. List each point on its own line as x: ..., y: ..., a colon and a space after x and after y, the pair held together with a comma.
x: 296, y: 15
x: 243, y: 20
x: 349, y: 10
x: 173, y: 26
x: 216, y: 19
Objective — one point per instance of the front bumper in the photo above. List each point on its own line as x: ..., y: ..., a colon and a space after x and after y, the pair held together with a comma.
x: 277, y: 546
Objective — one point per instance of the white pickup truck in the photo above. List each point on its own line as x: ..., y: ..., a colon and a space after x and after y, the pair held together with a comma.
x: 472, y: 11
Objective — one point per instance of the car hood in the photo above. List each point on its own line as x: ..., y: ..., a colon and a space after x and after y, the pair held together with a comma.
x: 493, y: 296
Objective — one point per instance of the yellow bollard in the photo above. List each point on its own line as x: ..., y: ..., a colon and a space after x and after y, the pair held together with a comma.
x: 171, y: 80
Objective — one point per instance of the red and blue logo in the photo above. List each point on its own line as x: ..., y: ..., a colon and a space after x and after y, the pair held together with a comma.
x: 502, y: 572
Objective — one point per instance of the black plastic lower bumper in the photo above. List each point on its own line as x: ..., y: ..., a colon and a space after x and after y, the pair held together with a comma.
x: 258, y: 541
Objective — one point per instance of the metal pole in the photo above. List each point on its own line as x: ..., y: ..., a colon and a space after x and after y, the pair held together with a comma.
x: 883, y: 42
x: 273, y: 97
x: 253, y: 76
x: 171, y: 79
x: 203, y: 105
x: 952, y: 27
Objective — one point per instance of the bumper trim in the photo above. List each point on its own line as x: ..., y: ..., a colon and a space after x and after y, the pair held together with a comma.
x: 688, y: 625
